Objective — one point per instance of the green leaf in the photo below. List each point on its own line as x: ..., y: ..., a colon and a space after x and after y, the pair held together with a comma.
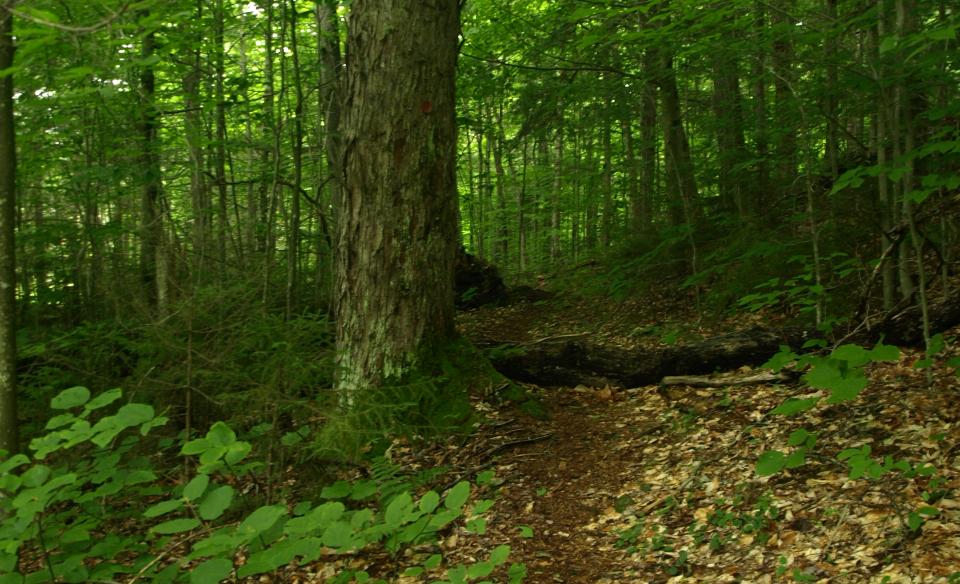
x: 70, y: 398
x: 942, y: 34
x: 792, y: 406
x: 163, y: 507
x: 196, y: 487
x: 500, y: 554
x: 433, y: 561
x: 134, y: 414
x: 104, y: 399
x: 485, y: 477
x: 175, y: 526
x: 526, y: 532
x: 363, y: 490
x: 936, y: 345
x: 457, y: 496
x: 477, y: 526
x: 59, y: 421
x: 398, y: 510
x: 847, y: 388
x: 194, y: 447
x: 770, y: 462
x: 339, y: 535
x: 481, y: 506
x: 337, y: 490
x: 797, y: 458
x: 221, y: 435
x: 882, y: 352
x: 211, y: 571
x: 798, y: 437
x: 781, y: 359
x: 914, y: 521
x: 261, y: 520
x: 429, y: 501
x: 215, y: 503
x: 479, y: 570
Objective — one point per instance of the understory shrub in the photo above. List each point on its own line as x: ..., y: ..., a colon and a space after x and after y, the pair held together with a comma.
x: 91, y: 504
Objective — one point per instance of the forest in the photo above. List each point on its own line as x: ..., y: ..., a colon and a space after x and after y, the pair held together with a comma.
x: 450, y: 291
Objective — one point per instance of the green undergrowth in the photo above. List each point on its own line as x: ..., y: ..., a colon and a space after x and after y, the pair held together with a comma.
x: 92, y: 503
x: 433, y: 400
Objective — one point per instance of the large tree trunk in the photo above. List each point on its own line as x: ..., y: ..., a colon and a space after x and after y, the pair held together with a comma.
x: 8, y: 185
x: 396, y: 228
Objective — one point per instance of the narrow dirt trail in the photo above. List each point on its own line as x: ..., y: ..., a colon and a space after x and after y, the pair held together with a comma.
x: 563, y: 487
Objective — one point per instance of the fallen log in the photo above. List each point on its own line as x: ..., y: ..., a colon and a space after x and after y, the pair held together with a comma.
x: 725, y: 380
x: 571, y: 359
x: 576, y: 361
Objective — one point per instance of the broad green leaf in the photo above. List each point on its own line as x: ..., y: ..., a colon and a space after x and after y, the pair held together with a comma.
x: 500, y: 554
x: 134, y: 414
x: 526, y: 532
x: 363, y: 490
x: 163, y: 507
x: 104, y: 399
x: 433, y: 561
x: 221, y: 435
x: 35, y: 476
x: 196, y: 487
x: 797, y: 458
x: 339, y: 535
x: 882, y: 352
x: 792, y: 406
x: 914, y: 521
x: 194, y: 447
x: 70, y: 398
x: 176, y: 526
x: 215, y: 503
x: 59, y: 421
x: 457, y: 496
x: 770, y: 462
x: 211, y: 571
x: 854, y: 355
x: 261, y: 520
x: 479, y: 570
x: 398, y: 510
x: 798, y: 437
x: 429, y: 501
x: 847, y: 389
x: 942, y: 34
x: 337, y: 490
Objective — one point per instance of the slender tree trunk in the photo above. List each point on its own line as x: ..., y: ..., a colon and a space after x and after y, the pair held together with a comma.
x: 728, y: 114
x: 648, y: 135
x: 680, y: 168
x: 883, y: 183
x: 503, y: 233
x: 760, y: 137
x: 521, y: 217
x: 293, y: 236
x: 831, y: 99
x: 637, y: 218
x: 194, y: 135
x: 556, y: 195
x: 785, y: 112
x: 151, y: 220
x: 9, y: 424
x: 220, y: 155
x: 396, y: 231
x: 606, y: 221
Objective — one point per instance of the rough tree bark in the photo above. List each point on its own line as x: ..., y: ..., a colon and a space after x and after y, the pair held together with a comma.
x: 396, y: 230
x: 8, y: 168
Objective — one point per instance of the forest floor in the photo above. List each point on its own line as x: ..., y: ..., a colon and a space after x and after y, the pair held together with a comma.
x: 651, y: 484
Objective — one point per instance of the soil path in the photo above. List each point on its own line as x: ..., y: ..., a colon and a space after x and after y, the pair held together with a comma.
x: 562, y: 488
